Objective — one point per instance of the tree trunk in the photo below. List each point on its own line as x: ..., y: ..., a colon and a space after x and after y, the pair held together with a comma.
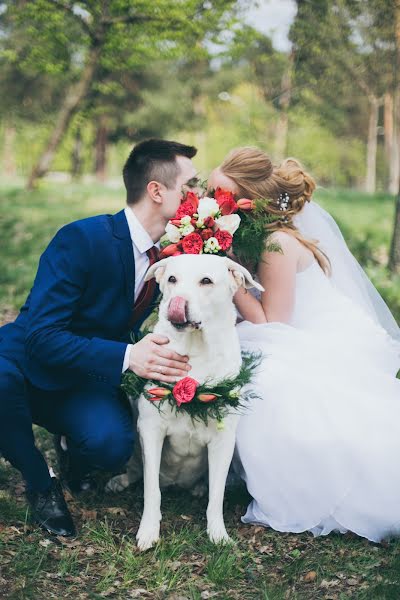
x: 9, y: 162
x: 370, y: 181
x: 68, y: 108
x: 101, y: 150
x: 282, y: 126
x: 394, y: 259
x: 76, y: 156
x: 391, y: 128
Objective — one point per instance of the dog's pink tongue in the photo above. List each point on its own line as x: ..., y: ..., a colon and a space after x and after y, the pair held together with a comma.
x: 177, y: 310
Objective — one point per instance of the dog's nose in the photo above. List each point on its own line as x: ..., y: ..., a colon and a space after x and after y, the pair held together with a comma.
x: 178, y: 310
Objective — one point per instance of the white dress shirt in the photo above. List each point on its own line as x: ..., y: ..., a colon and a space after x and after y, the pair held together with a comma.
x: 141, y: 242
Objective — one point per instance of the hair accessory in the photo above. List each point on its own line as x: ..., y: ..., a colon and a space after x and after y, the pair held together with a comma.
x: 283, y: 201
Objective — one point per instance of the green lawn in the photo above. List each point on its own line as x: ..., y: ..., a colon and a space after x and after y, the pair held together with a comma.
x: 103, y: 561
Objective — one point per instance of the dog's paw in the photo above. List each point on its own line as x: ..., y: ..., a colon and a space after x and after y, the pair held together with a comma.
x: 118, y: 483
x: 219, y: 535
x: 199, y: 490
x: 147, y: 536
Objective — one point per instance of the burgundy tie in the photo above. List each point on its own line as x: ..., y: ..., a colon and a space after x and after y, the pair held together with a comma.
x: 147, y: 292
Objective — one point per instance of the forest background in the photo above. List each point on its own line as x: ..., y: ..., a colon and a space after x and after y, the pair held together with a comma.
x: 81, y: 82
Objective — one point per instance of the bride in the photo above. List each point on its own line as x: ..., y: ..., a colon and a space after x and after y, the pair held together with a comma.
x: 320, y: 448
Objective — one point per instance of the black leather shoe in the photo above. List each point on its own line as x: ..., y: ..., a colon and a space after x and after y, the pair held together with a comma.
x: 68, y: 477
x: 50, y: 511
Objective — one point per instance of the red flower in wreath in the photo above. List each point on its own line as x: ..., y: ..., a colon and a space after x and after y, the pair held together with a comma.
x: 192, y: 199
x: 224, y: 239
x: 186, y: 209
x: 206, y: 234
x: 171, y: 250
x: 192, y: 243
x: 185, y: 390
x: 226, y: 202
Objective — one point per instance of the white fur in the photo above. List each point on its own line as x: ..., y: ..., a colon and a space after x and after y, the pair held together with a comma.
x: 174, y: 448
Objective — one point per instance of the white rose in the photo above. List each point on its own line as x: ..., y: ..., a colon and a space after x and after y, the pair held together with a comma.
x: 211, y: 246
x: 208, y: 207
x: 186, y: 230
x: 172, y: 233
x: 228, y: 222
x: 186, y: 220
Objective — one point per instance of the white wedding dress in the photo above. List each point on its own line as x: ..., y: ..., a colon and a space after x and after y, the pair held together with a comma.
x: 320, y: 448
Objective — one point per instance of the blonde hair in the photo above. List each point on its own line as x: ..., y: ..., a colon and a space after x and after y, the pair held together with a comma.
x: 256, y: 177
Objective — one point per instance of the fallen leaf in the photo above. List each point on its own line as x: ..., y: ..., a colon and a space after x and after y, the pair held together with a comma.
x: 90, y: 515
x: 137, y: 593
x: 327, y: 584
x: 310, y: 576
x: 186, y: 518
x: 116, y: 510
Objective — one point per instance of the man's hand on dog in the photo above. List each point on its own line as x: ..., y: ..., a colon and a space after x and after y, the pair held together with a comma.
x: 148, y: 358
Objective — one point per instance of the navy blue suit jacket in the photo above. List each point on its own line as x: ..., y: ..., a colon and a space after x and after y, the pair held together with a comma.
x: 74, y: 324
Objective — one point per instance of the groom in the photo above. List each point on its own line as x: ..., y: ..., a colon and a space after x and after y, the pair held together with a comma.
x: 61, y: 360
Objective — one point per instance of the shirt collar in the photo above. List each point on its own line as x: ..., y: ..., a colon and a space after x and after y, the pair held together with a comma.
x: 139, y: 235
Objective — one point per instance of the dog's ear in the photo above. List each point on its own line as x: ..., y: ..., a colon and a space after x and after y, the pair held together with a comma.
x: 242, y: 276
x: 157, y: 270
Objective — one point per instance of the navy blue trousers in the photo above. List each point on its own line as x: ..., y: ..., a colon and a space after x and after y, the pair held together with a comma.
x: 94, y: 417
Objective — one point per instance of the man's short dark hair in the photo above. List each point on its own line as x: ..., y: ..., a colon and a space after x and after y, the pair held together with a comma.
x: 153, y: 160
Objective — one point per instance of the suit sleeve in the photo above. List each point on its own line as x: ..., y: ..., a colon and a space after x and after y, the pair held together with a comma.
x: 60, y: 282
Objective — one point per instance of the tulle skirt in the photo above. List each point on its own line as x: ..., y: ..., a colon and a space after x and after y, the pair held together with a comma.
x: 319, y: 448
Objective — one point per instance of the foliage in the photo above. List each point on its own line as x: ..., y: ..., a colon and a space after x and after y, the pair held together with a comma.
x: 227, y: 394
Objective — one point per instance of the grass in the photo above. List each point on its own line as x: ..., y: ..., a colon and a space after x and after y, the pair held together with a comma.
x: 103, y: 561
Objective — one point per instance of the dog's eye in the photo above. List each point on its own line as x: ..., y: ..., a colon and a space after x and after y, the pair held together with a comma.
x: 206, y: 281
x: 171, y: 279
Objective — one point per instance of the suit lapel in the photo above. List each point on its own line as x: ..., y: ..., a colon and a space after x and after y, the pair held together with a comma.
x: 124, y: 243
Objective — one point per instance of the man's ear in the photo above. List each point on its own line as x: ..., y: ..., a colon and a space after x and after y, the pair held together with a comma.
x: 242, y: 276
x: 157, y: 270
x: 154, y: 191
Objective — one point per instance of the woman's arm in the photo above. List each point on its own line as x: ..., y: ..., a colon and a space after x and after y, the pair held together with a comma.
x: 277, y: 274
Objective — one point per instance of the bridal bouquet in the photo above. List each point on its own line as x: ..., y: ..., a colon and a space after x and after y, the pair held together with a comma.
x: 204, y: 224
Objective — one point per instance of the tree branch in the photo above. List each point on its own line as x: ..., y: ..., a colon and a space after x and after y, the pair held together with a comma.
x: 68, y: 9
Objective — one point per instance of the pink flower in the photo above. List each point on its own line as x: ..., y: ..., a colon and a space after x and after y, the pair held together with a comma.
x: 246, y: 204
x: 185, y: 390
x: 224, y: 239
x: 185, y: 210
x: 192, y: 243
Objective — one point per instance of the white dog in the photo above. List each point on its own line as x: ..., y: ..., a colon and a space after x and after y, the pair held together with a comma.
x: 198, y: 316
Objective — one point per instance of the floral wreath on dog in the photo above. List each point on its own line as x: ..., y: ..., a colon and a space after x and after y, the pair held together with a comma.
x: 201, y: 402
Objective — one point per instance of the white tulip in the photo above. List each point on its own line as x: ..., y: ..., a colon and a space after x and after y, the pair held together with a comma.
x: 208, y: 207
x: 172, y: 233
x: 228, y: 223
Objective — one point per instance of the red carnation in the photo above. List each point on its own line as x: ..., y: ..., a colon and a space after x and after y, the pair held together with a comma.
x: 224, y: 238
x: 226, y: 202
x: 192, y: 199
x: 185, y: 390
x: 192, y: 243
x: 185, y: 209
x: 206, y: 234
